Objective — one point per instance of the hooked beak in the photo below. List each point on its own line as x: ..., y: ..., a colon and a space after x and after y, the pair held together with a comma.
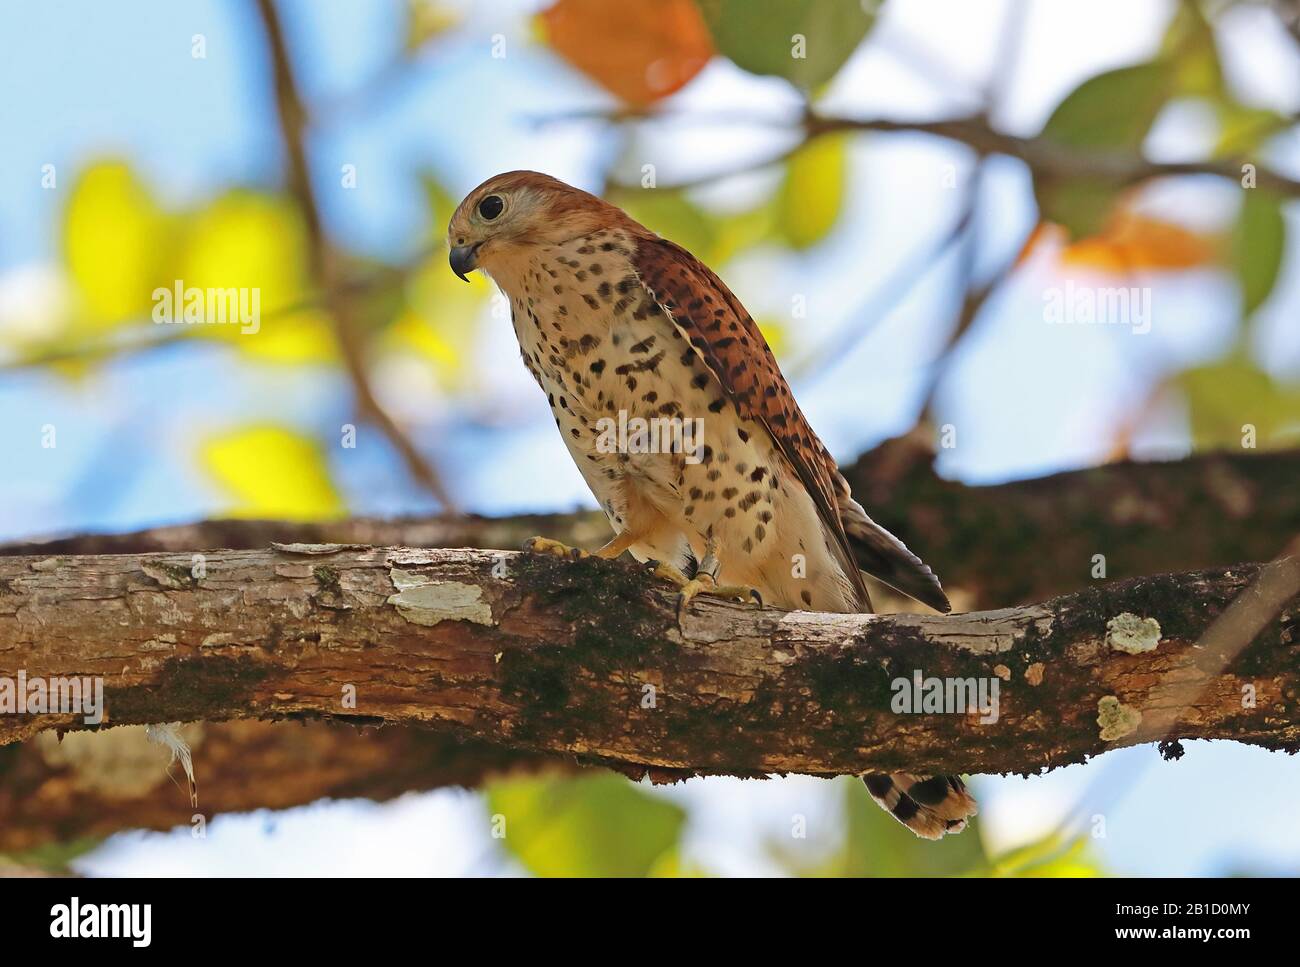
x: 463, y: 258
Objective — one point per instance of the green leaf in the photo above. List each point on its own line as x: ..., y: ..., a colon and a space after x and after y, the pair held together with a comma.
x: 804, y: 41
x: 876, y: 844
x: 1257, y: 245
x: 671, y: 214
x: 54, y: 857
x: 1225, y: 396
x: 812, y: 193
x: 1189, y: 44
x: 1112, y: 111
x: 1081, y: 205
x: 590, y: 825
x: 1243, y: 130
x: 272, y: 472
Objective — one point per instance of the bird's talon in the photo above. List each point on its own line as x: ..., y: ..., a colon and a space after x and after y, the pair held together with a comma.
x: 544, y: 545
x: 666, y: 572
x: 700, y: 584
x: 704, y: 584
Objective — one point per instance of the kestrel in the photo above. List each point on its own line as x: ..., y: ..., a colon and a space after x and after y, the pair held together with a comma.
x: 675, y: 410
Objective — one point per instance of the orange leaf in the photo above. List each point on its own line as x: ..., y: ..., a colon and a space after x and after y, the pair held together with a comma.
x: 639, y: 50
x: 1134, y: 241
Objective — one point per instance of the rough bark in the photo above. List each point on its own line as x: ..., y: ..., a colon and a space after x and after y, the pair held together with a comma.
x: 992, y: 546
x: 563, y: 657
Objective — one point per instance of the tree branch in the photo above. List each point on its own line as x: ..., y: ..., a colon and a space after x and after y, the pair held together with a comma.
x: 587, y: 659
x: 992, y: 546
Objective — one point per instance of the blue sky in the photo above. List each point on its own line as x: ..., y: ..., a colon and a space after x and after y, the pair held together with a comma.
x: 119, y: 80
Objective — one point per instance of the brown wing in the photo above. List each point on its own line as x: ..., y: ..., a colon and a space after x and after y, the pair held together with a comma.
x: 731, y: 345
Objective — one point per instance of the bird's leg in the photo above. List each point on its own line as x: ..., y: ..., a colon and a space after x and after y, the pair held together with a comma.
x: 617, y: 546
x: 706, y: 582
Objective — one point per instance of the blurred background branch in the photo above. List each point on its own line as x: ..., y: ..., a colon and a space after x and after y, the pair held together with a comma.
x: 56, y: 790
x: 326, y: 263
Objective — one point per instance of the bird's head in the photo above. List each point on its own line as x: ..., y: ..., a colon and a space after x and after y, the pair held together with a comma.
x: 517, y: 210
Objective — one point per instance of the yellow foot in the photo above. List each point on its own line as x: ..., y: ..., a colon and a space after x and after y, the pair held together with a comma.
x: 704, y: 584
x: 544, y: 545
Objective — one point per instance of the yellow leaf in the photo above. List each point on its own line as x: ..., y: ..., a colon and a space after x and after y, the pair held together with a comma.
x: 274, y: 472
x: 258, y: 244
x: 439, y: 323
x: 427, y: 20
x: 117, y: 243
x: 638, y: 50
x: 1053, y: 856
x: 774, y: 331
x: 414, y: 334
x: 813, y: 191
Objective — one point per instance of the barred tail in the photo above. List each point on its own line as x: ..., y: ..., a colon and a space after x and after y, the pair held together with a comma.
x: 930, y: 807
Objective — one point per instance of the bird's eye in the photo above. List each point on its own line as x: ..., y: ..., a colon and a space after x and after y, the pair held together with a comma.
x: 491, y: 206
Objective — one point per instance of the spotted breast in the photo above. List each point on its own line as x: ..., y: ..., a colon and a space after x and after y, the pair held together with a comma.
x: 652, y: 431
